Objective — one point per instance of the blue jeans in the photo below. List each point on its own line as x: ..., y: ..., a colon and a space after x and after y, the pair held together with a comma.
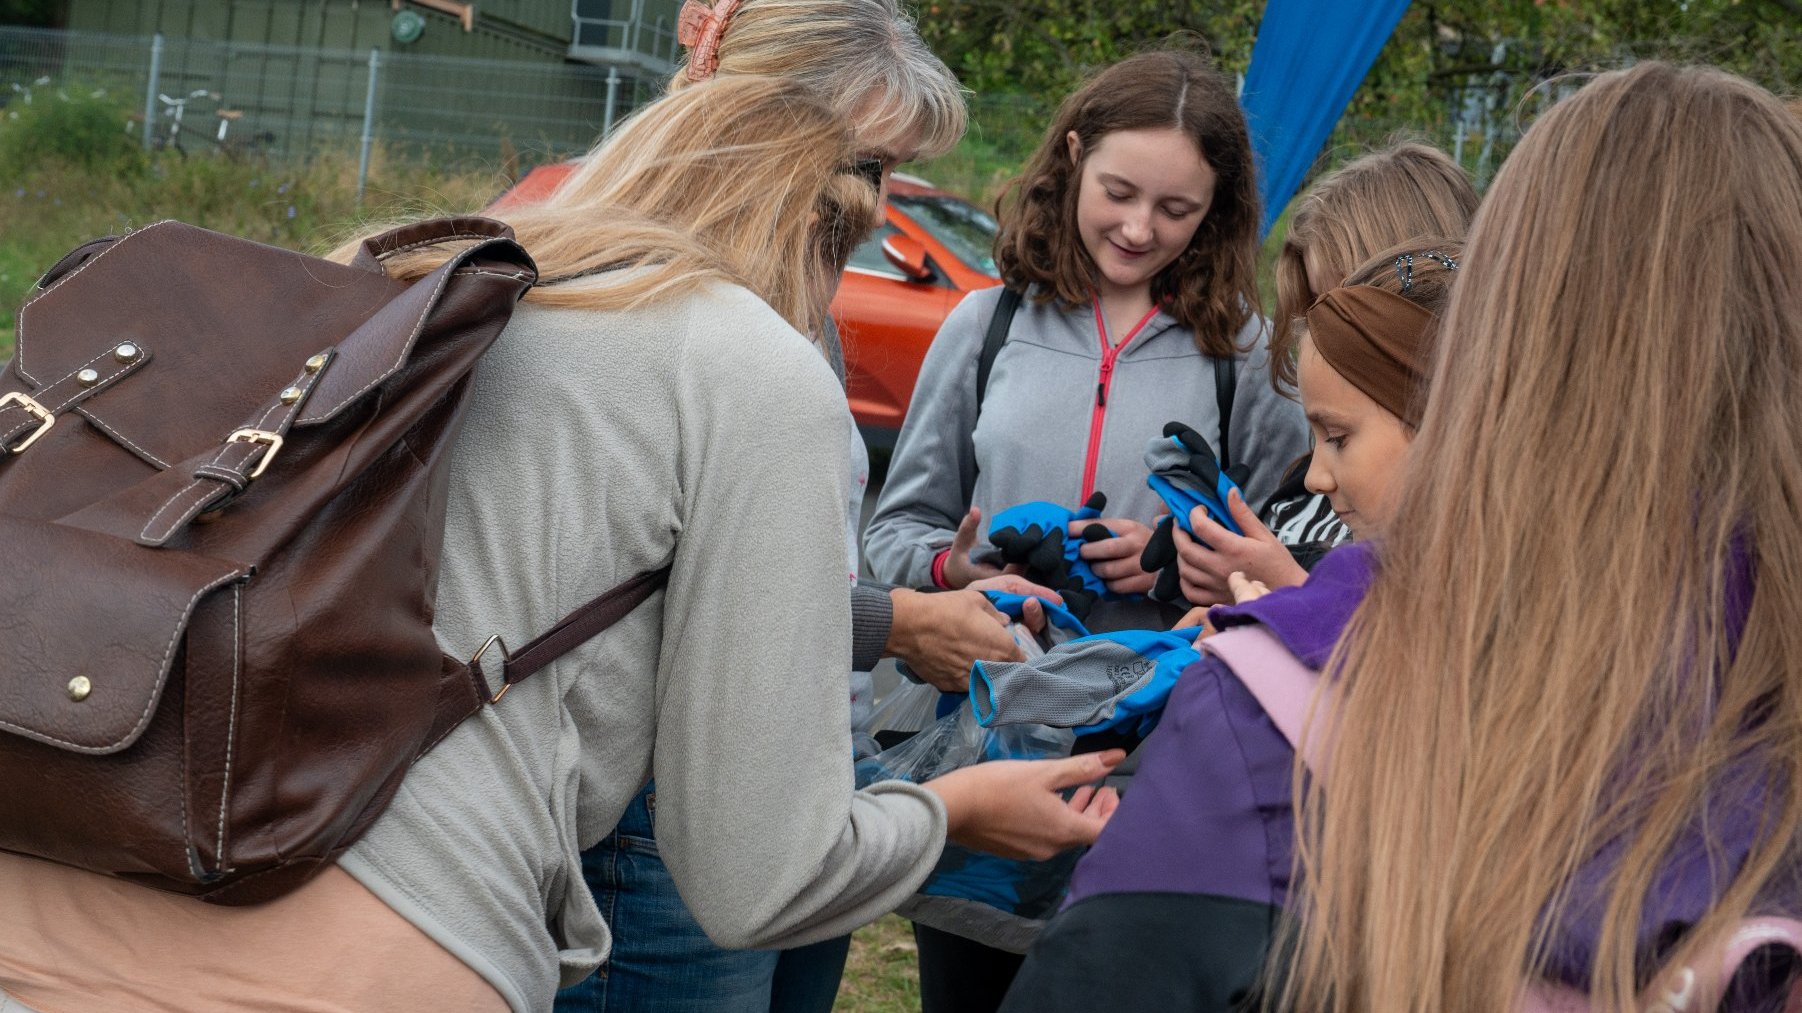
x: 663, y: 963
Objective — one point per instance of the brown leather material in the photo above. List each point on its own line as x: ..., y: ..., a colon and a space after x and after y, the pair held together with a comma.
x: 66, y: 392
x: 432, y: 233
x: 258, y: 656
x: 582, y: 625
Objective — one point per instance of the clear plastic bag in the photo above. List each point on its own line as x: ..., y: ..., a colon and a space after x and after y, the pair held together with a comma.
x: 908, y: 707
x: 957, y: 740
x: 996, y: 901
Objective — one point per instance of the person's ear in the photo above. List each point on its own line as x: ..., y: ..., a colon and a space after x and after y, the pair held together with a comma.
x: 1074, y: 143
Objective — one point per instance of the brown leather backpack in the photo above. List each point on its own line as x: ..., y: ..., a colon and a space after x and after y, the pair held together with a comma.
x: 222, y: 490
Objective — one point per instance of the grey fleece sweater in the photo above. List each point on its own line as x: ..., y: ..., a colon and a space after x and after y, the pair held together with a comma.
x: 1032, y: 438
x: 702, y: 433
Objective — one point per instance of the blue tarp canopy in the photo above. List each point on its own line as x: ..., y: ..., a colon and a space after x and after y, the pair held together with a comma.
x: 1307, y: 62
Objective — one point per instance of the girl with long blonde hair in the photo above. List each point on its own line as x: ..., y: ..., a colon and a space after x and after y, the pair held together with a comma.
x: 654, y: 403
x: 1568, y: 717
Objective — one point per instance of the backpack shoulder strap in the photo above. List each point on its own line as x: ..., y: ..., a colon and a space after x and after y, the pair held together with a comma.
x: 1226, y: 380
x: 999, y: 325
x: 1283, y: 686
x: 572, y: 631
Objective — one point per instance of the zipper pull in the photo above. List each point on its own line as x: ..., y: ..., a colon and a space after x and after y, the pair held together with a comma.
x: 1101, y: 394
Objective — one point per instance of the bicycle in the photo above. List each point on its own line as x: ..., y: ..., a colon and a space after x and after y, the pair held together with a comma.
x: 177, y: 111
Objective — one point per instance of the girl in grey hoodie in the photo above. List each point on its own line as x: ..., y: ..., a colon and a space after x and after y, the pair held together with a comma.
x: 1132, y: 236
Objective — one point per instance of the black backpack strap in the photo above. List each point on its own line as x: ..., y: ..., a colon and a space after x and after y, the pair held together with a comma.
x: 573, y: 630
x: 1226, y: 378
x: 999, y: 325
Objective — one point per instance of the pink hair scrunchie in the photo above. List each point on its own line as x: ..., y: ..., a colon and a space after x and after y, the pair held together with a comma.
x: 699, y: 28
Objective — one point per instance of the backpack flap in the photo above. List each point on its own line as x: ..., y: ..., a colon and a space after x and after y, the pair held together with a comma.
x: 228, y: 322
x: 86, y: 676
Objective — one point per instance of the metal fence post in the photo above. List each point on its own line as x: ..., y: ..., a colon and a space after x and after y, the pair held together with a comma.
x: 375, y: 62
x: 156, y: 70
x: 612, y: 93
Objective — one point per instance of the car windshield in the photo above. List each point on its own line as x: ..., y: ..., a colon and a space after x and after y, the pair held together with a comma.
x: 964, y: 229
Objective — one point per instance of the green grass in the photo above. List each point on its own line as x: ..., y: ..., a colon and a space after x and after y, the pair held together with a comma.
x: 51, y: 207
x: 882, y: 974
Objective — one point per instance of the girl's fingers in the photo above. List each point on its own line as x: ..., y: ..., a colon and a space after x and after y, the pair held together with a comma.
x: 1197, y: 616
x: 1208, y: 530
x: 1247, y: 520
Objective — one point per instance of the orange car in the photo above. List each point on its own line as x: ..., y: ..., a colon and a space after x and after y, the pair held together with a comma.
x: 901, y: 283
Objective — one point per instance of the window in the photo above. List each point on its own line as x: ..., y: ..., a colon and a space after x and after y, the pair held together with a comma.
x: 868, y: 255
x: 965, y: 229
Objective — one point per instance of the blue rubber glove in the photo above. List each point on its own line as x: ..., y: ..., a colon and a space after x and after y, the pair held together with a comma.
x: 1138, y: 712
x: 1013, y: 607
x: 1034, y: 535
x: 1185, y: 475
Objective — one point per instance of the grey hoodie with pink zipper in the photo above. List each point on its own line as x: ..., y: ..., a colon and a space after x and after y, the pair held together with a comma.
x: 1050, y: 417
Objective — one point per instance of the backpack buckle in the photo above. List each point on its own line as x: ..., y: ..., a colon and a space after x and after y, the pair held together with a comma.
x: 33, y: 409
x: 506, y: 656
x: 263, y: 436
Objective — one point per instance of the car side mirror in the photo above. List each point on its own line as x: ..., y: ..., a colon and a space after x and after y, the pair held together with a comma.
x: 909, y: 257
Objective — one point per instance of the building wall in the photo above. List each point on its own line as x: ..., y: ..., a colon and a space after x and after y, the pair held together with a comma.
x: 298, y: 69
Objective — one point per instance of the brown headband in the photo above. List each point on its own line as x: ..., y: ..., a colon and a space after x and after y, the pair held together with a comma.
x: 1377, y: 340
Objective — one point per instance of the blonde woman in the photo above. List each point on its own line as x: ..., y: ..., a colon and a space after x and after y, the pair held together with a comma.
x: 1375, y: 201
x: 1547, y: 760
x: 866, y: 59
x: 655, y: 403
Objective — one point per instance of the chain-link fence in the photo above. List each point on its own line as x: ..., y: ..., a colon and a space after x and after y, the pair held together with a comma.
x: 295, y: 102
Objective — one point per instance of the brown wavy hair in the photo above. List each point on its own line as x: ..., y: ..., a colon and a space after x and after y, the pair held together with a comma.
x: 1212, y: 287
x: 1374, y: 201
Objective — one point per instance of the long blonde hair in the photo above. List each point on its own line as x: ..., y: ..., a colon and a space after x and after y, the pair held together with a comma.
x: 1371, y: 202
x: 864, y: 56
x: 738, y: 180
x: 1545, y: 668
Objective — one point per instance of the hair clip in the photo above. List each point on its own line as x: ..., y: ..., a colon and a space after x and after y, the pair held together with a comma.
x: 699, y: 28
x: 1404, y: 266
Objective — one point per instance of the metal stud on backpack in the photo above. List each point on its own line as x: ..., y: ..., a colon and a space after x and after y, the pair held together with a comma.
x: 221, y: 503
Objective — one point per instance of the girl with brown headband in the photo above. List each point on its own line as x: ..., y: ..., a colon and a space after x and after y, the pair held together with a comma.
x: 1373, y: 202
x: 1362, y: 371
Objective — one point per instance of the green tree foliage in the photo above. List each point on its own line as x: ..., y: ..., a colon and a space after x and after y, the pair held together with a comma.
x: 1464, y: 74
x: 1044, y: 47
x: 1452, y: 56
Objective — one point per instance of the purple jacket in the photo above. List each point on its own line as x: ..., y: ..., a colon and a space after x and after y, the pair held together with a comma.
x: 1211, y: 811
